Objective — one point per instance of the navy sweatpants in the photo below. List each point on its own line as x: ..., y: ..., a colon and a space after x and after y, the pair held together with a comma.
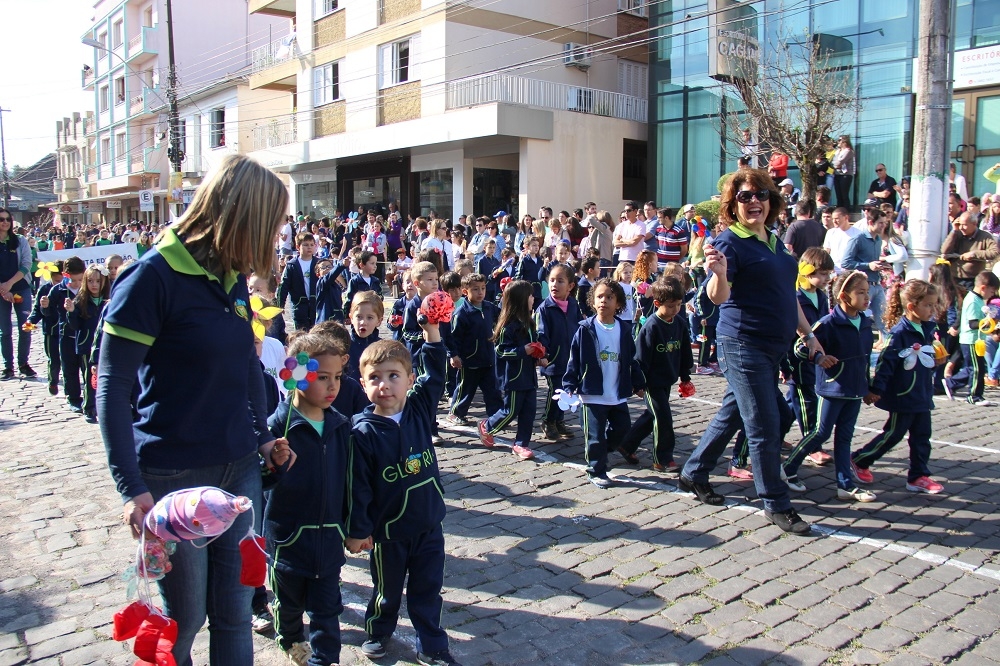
x: 470, y: 379
x: 51, y: 339
x: 837, y: 416
x: 518, y: 405
x: 896, y: 426
x: 423, y: 558
x: 658, y: 420
x: 320, y: 599
x: 604, y: 427
x: 70, y: 361
x: 552, y: 413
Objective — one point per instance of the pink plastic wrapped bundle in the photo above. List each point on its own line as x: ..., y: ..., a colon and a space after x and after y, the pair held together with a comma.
x: 195, y: 513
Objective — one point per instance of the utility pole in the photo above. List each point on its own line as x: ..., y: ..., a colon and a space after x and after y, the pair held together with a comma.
x: 929, y: 184
x: 3, y: 162
x: 175, y: 153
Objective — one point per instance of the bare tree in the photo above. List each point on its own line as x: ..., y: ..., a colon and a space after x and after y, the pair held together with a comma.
x: 804, y: 91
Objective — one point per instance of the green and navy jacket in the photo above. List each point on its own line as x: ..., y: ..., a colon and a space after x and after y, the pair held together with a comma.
x: 663, y: 350
x: 901, y: 390
x: 293, y: 283
x: 306, y: 513
x: 555, y: 332
x: 84, y: 329
x: 583, y: 372
x: 471, y: 330
x: 803, y: 372
x: 852, y: 346
x: 515, y: 368
x: 394, y: 484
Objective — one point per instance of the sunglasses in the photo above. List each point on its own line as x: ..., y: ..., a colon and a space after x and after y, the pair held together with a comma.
x: 879, y: 170
x: 746, y: 196
x: 6, y: 219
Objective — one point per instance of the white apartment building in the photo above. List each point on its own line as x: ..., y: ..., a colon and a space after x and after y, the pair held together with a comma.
x: 461, y: 106
x: 127, y: 134
x: 72, y: 156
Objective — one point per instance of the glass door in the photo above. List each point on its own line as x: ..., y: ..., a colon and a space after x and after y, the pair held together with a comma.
x: 975, y: 137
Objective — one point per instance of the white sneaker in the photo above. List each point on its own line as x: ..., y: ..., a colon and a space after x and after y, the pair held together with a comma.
x: 299, y: 653
x: 704, y: 370
x: 793, y: 482
x: 856, y: 495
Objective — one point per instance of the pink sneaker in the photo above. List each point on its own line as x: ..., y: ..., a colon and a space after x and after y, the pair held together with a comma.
x: 484, y: 436
x: 739, y: 473
x: 818, y: 459
x: 862, y: 475
x: 523, y: 452
x: 924, y: 484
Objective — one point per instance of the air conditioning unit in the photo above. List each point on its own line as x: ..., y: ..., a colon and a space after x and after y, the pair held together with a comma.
x: 577, y: 55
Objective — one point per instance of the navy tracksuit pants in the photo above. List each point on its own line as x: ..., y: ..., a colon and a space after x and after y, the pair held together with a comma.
x: 552, y: 413
x: 71, y: 371
x: 423, y: 558
x: 51, y: 339
x: 918, y: 424
x: 604, y: 427
x: 658, y: 420
x: 470, y: 379
x: 518, y: 405
x: 320, y: 599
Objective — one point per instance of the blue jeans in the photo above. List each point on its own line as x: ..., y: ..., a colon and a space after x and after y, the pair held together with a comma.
x: 751, y: 401
x: 206, y: 581
x: 992, y: 358
x: 604, y: 428
x: 20, y: 311
x: 876, y: 303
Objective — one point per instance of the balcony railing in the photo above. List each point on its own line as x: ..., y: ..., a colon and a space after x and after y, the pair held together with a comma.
x: 510, y: 89
x: 279, y: 131
x: 135, y: 105
x: 136, y: 161
x: 276, y: 52
x: 134, y: 42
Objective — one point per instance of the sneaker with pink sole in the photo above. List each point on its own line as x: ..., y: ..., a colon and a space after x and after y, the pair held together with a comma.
x: 739, y: 473
x: 484, y: 436
x: 861, y: 475
x: 924, y: 484
x: 522, y: 452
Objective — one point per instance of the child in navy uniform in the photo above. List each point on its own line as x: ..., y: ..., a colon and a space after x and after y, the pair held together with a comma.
x: 83, y: 312
x: 329, y: 292
x: 305, y: 515
x: 707, y: 317
x: 513, y: 336
x: 351, y: 398
x: 395, y: 321
x: 367, y: 311
x: 425, y: 278
x: 603, y: 370
x: 365, y: 279
x: 903, y: 386
x: 590, y: 268
x: 298, y: 283
x: 55, y: 305
x: 841, y: 381
x: 397, y: 504
x: 530, y: 268
x: 557, y: 319
x: 50, y: 328
x: 663, y: 349
x: 472, y: 328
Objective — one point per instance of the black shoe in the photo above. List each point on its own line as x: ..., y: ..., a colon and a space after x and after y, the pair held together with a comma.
x: 374, y: 647
x: 549, y: 431
x: 90, y: 418
x: 27, y: 372
x: 704, y: 491
x: 789, y: 521
x: 53, y: 389
x: 563, y: 430
x: 76, y: 409
x: 630, y: 458
x: 8, y: 373
x: 442, y: 658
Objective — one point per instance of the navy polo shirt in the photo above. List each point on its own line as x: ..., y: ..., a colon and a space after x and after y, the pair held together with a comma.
x: 194, y: 383
x: 762, y: 308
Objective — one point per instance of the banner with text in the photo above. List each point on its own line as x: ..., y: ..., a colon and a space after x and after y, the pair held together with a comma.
x: 92, y: 255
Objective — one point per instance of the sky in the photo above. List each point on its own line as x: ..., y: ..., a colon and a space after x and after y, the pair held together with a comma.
x: 40, y: 76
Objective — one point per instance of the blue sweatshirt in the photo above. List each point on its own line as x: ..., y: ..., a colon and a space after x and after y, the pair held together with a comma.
x: 358, y: 284
x: 531, y: 268
x: 583, y: 372
x: 83, y: 329
x: 330, y: 297
x: 906, y: 391
x: 394, y: 483
x: 515, y: 368
x: 358, y: 346
x: 397, y: 309
x: 555, y: 331
x: 305, y: 515
x: 351, y: 399
x: 853, y: 346
x: 471, y: 330
x: 57, y: 309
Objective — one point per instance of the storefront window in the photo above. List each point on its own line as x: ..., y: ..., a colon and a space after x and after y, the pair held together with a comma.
x: 494, y: 190
x: 317, y: 199
x: 436, y: 192
x: 375, y: 192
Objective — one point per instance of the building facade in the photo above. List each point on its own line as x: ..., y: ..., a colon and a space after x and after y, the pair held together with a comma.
x: 687, y: 154
x: 440, y: 105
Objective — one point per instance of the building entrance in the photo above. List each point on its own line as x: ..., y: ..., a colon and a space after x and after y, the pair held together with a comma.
x: 975, y: 137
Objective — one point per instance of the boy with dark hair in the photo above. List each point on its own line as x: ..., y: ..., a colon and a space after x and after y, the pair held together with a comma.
x: 330, y: 291
x: 487, y: 266
x: 50, y: 328
x: 973, y: 372
x: 351, y: 398
x: 53, y: 305
x: 298, y: 282
x: 663, y: 350
x: 397, y: 505
x: 451, y: 284
x: 590, y: 270
x: 365, y: 280
x: 474, y: 357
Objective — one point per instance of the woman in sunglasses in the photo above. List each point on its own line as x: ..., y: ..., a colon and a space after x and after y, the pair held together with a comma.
x: 15, y: 297
x: 752, y: 280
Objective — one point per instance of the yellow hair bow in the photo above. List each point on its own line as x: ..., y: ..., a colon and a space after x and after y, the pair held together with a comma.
x: 942, y: 261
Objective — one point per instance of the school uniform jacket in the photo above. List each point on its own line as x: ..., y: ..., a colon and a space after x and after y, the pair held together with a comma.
x: 84, y: 329
x: 293, y: 283
x: 471, y: 330
x: 394, y: 483
x: 50, y: 320
x: 57, y: 309
x: 583, y: 372
x: 803, y: 372
x: 663, y: 351
x: 305, y: 515
x: 485, y: 267
x: 351, y: 399
x: 330, y: 297
x: 515, y: 370
x: 531, y: 269
x: 397, y: 309
x: 555, y: 331
x: 358, y: 346
x: 901, y: 390
x: 359, y: 284
x: 839, y: 337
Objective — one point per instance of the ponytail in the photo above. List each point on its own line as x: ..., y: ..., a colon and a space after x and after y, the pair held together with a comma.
x: 893, y: 307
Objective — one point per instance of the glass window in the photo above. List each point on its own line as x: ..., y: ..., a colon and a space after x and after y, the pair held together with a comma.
x: 980, y: 184
x: 396, y: 62
x: 836, y: 18
x: 105, y: 96
x: 105, y: 150
x: 436, y: 191
x: 875, y: 11
x: 988, y: 123
x: 702, y: 159
x: 986, y: 23
x: 703, y: 103
x: 323, y: 7
x: 669, y: 143
x: 320, y: 199
x: 217, y: 130
x: 670, y: 107
x: 957, y: 123
x: 963, y: 24
x: 326, y: 83
x: 883, y: 136
x: 379, y: 191
x: 891, y: 78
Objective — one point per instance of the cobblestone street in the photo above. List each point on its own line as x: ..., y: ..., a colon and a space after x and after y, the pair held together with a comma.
x: 545, y: 568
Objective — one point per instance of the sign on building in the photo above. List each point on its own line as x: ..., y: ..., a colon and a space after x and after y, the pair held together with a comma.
x: 95, y: 207
x: 146, y: 204
x: 114, y: 204
x: 733, y: 47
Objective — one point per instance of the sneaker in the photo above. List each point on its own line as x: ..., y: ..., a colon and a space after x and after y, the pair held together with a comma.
x: 979, y: 401
x: 602, y: 482
x: 739, y: 473
x: 53, y: 389
x: 947, y: 388
x: 76, y: 409
x: 298, y: 653
x: 793, y: 482
x: 670, y: 468
x: 8, y: 373
x: 455, y: 420
x: 788, y: 446
x: 856, y: 495
x: 924, y: 484
x: 549, y: 431
x: 484, y: 436
x: 818, y: 459
x: 992, y: 383
x: 788, y: 521
x: 704, y: 370
x: 630, y: 458
x: 703, y: 491
x: 522, y: 452
x: 715, y: 368
x: 27, y: 372
x: 442, y: 658
x: 90, y: 418
x: 861, y: 475
x: 374, y: 647
x: 262, y: 622
x: 563, y: 430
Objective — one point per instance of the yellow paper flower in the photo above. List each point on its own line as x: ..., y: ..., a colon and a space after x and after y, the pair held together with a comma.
x: 805, y: 270
x: 261, y: 314
x: 45, y: 270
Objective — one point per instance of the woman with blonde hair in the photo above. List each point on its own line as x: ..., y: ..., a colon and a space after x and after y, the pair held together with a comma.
x: 179, y: 320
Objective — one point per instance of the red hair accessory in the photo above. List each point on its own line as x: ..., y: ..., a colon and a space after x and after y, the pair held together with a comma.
x: 504, y: 282
x: 642, y: 287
